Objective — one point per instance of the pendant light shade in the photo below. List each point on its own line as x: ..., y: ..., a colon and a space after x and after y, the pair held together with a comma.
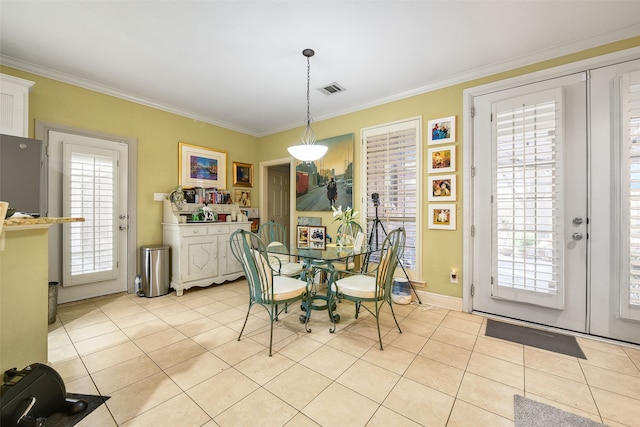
x: 308, y: 150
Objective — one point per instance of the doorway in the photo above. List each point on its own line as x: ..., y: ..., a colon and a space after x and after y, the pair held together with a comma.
x: 90, y: 177
x: 554, y: 202
x: 276, y: 190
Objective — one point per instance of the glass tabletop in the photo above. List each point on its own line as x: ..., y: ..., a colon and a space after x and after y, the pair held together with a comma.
x: 331, y: 253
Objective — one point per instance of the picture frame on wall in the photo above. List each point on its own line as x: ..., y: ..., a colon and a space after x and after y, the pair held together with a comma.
x: 442, y: 216
x: 302, y: 237
x: 242, y: 197
x: 441, y: 131
x: 202, y: 167
x: 442, y: 188
x: 442, y: 159
x: 242, y: 174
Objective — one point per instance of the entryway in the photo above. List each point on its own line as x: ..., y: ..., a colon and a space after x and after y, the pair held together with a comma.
x: 89, y: 176
x: 555, y: 200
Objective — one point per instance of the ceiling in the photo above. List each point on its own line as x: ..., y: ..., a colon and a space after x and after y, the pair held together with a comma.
x: 239, y: 64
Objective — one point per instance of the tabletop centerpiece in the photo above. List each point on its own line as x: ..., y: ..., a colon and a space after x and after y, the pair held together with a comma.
x: 347, y: 227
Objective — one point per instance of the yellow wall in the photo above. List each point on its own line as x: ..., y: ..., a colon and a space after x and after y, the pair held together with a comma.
x: 158, y: 134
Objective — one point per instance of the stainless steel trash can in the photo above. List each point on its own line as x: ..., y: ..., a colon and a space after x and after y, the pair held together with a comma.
x: 154, y: 263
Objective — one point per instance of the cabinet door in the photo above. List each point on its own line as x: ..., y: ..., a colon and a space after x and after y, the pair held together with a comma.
x: 200, y: 257
x: 228, y: 262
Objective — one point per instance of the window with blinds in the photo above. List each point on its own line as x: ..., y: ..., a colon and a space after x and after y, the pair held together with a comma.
x: 391, y: 157
x: 631, y: 139
x: 527, y: 194
x: 91, y: 186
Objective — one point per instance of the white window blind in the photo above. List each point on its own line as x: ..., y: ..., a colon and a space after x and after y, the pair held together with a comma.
x: 527, y: 194
x: 630, y: 292
x: 90, y: 177
x: 391, y: 166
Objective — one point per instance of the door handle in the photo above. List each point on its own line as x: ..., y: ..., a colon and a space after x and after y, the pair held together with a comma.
x: 576, y: 221
x: 123, y: 227
x: 577, y: 236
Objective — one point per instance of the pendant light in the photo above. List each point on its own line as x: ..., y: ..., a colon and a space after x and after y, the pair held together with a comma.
x: 308, y: 150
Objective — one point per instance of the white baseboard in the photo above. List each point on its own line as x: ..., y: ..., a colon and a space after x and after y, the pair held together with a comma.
x: 444, y: 301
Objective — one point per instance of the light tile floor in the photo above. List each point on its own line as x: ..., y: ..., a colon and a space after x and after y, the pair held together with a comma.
x: 176, y: 361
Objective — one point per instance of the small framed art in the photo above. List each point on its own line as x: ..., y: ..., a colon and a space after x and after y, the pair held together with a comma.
x: 242, y: 198
x: 202, y: 167
x: 442, y: 159
x: 442, y: 188
x: 242, y: 174
x: 442, y: 131
x: 442, y: 216
x: 311, y: 237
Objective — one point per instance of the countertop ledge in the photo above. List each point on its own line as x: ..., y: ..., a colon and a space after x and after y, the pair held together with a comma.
x: 17, y: 222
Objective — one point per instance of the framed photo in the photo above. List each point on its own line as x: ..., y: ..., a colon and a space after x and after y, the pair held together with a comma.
x: 242, y: 198
x: 442, y: 216
x: 311, y: 237
x: 202, y: 167
x: 242, y: 174
x: 442, y: 131
x: 442, y: 188
x: 442, y: 159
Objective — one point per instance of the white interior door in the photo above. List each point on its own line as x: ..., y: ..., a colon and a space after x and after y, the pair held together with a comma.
x: 88, y: 178
x: 279, y: 196
x: 530, y: 203
x: 615, y: 200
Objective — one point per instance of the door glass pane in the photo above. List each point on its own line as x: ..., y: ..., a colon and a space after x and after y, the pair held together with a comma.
x: 630, y: 292
x: 527, y: 195
x: 91, y: 194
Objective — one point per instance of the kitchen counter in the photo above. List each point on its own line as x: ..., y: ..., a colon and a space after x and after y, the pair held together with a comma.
x: 24, y: 290
x: 10, y: 223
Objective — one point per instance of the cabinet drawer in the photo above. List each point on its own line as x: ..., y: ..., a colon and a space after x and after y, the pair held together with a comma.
x: 218, y: 229
x: 196, y: 230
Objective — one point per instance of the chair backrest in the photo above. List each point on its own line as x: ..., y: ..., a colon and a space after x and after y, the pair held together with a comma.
x: 272, y: 231
x: 392, y: 250
x: 249, y: 250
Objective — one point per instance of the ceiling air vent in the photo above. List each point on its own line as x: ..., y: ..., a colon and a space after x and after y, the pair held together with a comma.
x: 331, y: 88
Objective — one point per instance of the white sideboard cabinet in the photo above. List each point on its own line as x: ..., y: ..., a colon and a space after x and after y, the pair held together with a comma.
x: 201, y: 255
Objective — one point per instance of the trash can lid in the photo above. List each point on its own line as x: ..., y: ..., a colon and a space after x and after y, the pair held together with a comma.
x: 154, y: 247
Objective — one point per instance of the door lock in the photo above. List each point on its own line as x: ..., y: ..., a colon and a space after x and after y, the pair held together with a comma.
x: 576, y: 221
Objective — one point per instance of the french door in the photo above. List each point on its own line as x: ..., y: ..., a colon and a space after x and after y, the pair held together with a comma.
x: 556, y: 202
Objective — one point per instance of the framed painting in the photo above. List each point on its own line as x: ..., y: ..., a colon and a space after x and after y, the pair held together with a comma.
x: 442, y: 216
x: 329, y: 181
x: 202, y: 167
x: 442, y: 188
x: 442, y: 159
x: 242, y: 174
x: 442, y: 131
x: 302, y: 237
x: 242, y: 198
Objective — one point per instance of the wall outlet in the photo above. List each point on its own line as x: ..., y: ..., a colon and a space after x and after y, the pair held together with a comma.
x: 453, y: 276
x: 158, y: 197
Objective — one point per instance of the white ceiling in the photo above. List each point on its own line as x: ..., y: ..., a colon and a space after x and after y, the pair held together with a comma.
x: 238, y: 64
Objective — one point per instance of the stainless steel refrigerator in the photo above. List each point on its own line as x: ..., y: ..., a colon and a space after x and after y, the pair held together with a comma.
x: 23, y: 174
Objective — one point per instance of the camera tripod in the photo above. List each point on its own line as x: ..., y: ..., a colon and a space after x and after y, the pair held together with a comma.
x: 374, y: 233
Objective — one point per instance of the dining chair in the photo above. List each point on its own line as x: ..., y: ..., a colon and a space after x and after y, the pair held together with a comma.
x: 266, y: 288
x: 374, y: 286
x: 274, y: 234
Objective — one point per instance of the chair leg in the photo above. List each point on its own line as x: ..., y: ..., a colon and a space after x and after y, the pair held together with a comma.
x: 378, y: 324
x: 394, y: 317
x: 245, y: 320
x: 357, y: 308
x: 273, y: 316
